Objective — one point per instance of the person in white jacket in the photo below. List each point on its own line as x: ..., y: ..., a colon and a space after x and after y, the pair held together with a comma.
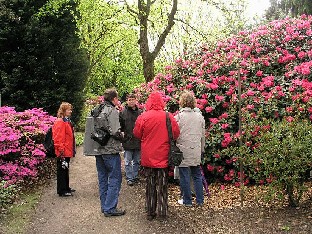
x: 192, y: 143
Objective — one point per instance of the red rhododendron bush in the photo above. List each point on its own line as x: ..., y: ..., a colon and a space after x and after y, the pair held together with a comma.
x: 21, y: 150
x: 274, y: 63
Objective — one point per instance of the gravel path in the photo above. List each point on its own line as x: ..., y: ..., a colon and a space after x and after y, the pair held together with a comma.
x: 81, y: 213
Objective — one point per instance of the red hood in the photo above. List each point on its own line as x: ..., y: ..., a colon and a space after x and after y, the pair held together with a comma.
x: 155, y: 102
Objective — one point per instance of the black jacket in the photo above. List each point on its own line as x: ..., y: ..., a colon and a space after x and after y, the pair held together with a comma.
x: 127, y: 118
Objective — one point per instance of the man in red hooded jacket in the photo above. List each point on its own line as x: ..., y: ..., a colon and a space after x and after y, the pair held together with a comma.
x: 151, y: 128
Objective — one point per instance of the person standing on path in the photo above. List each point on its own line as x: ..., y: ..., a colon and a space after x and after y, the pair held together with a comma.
x: 192, y: 143
x: 151, y: 128
x: 131, y: 145
x: 108, y: 161
x: 64, y: 144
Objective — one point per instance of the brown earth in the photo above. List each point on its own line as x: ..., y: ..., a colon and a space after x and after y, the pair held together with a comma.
x: 221, y: 214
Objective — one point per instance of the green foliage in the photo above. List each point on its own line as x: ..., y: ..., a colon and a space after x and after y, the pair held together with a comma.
x: 79, y: 138
x: 109, y: 37
x: 284, y: 155
x: 41, y: 63
x: 294, y: 8
x: 8, y: 194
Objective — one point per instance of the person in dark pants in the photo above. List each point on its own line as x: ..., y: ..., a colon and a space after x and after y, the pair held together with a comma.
x: 150, y: 127
x: 64, y: 144
x: 131, y: 145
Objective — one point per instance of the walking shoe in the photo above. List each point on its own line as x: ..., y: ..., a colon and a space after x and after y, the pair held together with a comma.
x: 116, y: 212
x: 65, y: 194
x: 180, y: 201
x: 72, y: 190
x: 136, y: 180
x: 130, y: 183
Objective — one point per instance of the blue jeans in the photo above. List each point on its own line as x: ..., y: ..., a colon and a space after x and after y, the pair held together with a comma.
x: 109, y: 175
x: 132, y: 164
x: 186, y: 187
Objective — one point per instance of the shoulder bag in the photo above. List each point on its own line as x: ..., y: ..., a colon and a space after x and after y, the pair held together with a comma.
x: 175, y: 154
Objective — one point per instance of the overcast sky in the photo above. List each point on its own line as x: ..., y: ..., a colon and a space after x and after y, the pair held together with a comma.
x: 258, y: 6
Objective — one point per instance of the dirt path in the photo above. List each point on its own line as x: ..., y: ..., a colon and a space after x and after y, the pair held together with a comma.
x: 81, y: 213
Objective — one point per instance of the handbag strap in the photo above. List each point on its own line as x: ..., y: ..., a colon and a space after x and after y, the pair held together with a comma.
x: 169, y: 128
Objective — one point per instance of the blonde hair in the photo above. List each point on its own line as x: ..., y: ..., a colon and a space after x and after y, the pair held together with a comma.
x: 187, y: 99
x: 63, y: 107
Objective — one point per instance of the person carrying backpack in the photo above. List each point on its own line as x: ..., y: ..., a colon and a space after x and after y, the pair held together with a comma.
x: 107, y: 154
x: 64, y: 144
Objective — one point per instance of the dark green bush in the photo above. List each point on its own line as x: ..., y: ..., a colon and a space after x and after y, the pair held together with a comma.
x: 284, y: 156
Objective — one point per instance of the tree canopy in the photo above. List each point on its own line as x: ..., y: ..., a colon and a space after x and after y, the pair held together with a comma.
x: 41, y: 63
x: 294, y: 8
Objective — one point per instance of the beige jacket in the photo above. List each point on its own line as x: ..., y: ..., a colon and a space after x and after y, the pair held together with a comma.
x: 192, y: 136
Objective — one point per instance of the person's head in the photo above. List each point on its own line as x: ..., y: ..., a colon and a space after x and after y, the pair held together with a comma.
x: 187, y: 99
x: 155, y: 101
x: 65, y: 110
x: 111, y: 95
x: 131, y: 100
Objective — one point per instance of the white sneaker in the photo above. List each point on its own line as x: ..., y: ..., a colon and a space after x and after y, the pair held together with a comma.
x: 180, y: 201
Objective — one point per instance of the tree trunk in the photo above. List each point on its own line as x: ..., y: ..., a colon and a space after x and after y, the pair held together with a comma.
x: 147, y: 56
x: 148, y: 69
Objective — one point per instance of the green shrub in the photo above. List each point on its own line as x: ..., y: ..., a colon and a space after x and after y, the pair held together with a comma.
x: 79, y: 138
x: 8, y: 194
x: 284, y: 156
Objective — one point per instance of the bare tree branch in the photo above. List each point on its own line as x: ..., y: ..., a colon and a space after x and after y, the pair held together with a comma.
x: 193, y: 28
x: 166, y: 31
x: 130, y: 10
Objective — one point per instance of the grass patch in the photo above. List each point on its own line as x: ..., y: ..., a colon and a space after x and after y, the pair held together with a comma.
x: 19, y: 215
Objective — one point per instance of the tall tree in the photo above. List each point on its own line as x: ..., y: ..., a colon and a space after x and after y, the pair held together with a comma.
x: 281, y: 8
x: 205, y: 22
x: 143, y: 15
x: 41, y: 63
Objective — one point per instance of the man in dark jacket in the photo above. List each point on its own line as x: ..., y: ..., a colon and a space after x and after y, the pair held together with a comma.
x: 131, y: 145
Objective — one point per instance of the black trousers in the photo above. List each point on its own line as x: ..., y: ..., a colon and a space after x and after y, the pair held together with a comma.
x: 156, y: 191
x: 62, y: 176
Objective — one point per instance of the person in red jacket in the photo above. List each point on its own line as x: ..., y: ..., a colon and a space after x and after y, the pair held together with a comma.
x: 64, y: 144
x: 151, y: 128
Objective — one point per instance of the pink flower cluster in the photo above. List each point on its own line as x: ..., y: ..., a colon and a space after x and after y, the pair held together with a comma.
x: 21, y: 137
x: 274, y: 64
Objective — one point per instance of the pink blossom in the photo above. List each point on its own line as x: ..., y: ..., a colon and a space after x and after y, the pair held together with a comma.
x: 250, y: 93
x: 213, y: 121
x: 259, y: 73
x: 289, y: 109
x: 216, y: 155
x: 250, y: 107
x: 209, y: 109
x: 290, y: 119
x: 225, y: 105
x: 224, y: 126
x: 219, y: 98
x: 210, y: 167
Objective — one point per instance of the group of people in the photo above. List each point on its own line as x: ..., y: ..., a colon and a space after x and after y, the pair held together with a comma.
x: 143, y: 137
